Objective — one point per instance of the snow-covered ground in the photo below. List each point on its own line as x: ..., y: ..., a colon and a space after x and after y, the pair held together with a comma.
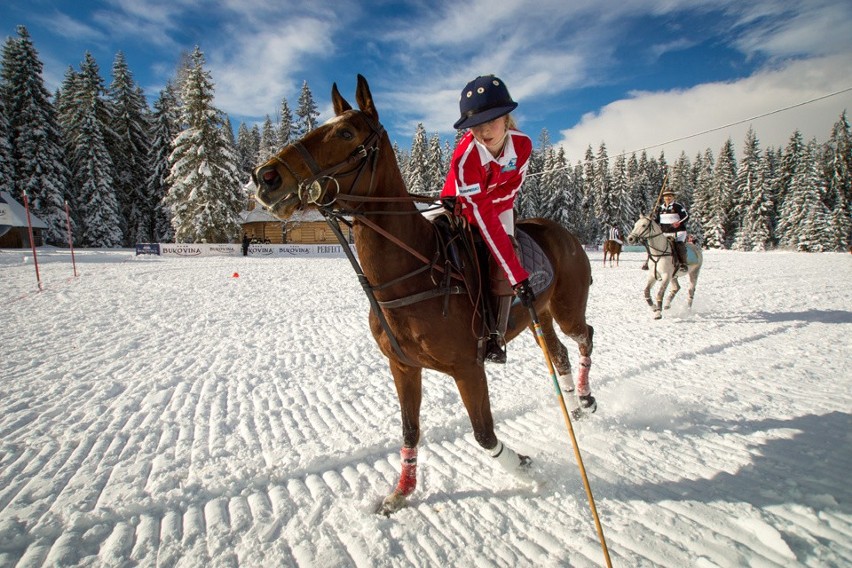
x: 164, y: 412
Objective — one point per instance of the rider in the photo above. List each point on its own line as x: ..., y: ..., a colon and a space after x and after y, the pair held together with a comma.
x: 487, y: 169
x: 615, y: 234
x: 672, y: 217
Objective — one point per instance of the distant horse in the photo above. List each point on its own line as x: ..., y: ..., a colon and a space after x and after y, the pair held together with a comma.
x: 661, y: 261
x: 347, y: 167
x: 613, y: 248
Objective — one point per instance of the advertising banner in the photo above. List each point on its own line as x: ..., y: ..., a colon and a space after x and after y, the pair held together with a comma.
x: 147, y: 248
x: 185, y: 250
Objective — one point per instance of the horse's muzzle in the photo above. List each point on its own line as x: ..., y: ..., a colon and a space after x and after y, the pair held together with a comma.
x: 271, y: 192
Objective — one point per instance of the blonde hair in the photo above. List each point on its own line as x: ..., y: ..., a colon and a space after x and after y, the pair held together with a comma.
x: 510, y: 122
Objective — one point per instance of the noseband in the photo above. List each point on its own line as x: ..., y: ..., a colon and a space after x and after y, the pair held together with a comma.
x: 312, y: 191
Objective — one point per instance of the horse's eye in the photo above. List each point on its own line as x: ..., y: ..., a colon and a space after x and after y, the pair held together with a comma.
x: 346, y: 134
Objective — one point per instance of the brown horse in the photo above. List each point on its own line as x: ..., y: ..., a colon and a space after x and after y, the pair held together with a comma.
x: 348, y: 165
x: 613, y: 248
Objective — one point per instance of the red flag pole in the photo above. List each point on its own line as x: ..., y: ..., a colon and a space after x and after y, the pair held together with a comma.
x: 70, y: 240
x: 32, y: 241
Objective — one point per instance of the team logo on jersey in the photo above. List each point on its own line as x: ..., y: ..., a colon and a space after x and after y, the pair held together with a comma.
x: 511, y: 166
x: 469, y: 189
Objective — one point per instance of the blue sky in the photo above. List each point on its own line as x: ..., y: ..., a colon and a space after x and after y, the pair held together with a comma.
x: 633, y: 73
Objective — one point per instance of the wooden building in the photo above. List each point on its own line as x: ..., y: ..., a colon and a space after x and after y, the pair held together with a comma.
x: 14, y: 232
x: 305, y: 227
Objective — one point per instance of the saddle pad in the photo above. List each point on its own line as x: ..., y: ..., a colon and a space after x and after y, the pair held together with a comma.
x: 691, y: 257
x: 535, y: 262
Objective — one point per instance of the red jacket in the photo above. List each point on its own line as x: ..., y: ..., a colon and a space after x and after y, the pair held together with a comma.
x: 486, y: 186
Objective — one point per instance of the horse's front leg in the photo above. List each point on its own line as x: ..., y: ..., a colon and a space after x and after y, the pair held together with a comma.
x: 661, y: 292
x: 675, y: 289
x: 473, y: 388
x: 648, y: 286
x: 409, y: 390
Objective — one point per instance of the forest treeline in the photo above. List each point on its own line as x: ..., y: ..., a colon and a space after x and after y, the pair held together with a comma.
x: 178, y: 173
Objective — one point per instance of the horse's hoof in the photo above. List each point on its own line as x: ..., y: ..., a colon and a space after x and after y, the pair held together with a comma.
x: 588, y: 403
x: 658, y: 315
x: 391, y: 504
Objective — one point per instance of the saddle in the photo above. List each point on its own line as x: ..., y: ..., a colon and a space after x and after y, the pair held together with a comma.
x: 455, y: 242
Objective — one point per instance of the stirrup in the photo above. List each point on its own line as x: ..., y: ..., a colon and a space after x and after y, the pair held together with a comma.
x: 494, y: 351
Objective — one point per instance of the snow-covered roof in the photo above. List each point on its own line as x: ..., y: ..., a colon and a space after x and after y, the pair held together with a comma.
x: 258, y: 215
x: 261, y: 215
x: 13, y: 213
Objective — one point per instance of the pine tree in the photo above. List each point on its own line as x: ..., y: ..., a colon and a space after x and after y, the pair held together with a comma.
x: 6, y: 166
x: 589, y: 229
x: 247, y: 149
x: 791, y: 203
x: 557, y: 194
x: 749, y: 186
x: 701, y: 210
x: 606, y: 203
x: 93, y: 169
x: 307, y: 113
x: 719, y: 229
x: 436, y: 166
x: 680, y: 180
x: 206, y: 195
x: 90, y: 143
x: 130, y: 125
x: 804, y: 213
x: 38, y: 160
x: 165, y: 125
x: 418, y: 170
x: 626, y: 214
x: 269, y: 144
x: 285, y: 125
x: 838, y: 173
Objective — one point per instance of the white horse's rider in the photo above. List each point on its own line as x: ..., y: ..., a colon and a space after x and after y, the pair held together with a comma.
x: 615, y: 234
x: 672, y: 217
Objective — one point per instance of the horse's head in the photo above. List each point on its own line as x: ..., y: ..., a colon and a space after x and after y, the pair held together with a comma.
x: 642, y: 229
x: 314, y: 171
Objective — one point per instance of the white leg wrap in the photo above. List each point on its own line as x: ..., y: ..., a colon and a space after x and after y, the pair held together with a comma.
x: 510, y: 460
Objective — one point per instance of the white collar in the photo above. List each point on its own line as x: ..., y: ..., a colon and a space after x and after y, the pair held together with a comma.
x: 506, y: 156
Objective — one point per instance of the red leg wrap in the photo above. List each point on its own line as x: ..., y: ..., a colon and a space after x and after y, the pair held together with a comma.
x: 583, y: 376
x: 408, y: 476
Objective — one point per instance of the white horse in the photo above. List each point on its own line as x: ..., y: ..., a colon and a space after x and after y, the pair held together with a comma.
x: 660, y: 254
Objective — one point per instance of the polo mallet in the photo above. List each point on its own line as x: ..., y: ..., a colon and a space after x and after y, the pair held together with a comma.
x: 660, y: 195
x: 539, y: 336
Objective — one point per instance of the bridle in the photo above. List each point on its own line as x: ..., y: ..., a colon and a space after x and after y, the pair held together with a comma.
x: 311, y: 191
x: 314, y: 190
x: 646, y: 235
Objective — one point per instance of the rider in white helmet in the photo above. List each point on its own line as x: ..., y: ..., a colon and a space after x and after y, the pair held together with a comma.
x: 672, y: 217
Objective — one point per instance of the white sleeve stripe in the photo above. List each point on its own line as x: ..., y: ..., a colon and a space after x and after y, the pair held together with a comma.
x: 487, y: 236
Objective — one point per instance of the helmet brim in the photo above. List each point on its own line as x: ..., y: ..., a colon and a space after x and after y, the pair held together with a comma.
x: 484, y: 116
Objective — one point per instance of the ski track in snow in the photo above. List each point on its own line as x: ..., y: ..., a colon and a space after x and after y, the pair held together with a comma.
x: 163, y: 412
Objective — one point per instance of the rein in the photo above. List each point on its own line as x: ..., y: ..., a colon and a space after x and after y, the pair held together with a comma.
x: 646, y: 240
x: 312, y: 191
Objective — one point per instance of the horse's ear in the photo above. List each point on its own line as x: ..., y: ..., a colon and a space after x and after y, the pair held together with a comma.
x: 340, y: 104
x: 365, y: 98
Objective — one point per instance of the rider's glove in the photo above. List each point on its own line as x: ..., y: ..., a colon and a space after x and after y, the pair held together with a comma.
x: 524, y: 292
x: 451, y: 204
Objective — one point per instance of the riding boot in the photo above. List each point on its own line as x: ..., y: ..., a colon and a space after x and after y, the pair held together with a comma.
x: 495, y: 350
x: 501, y: 290
x: 680, y: 247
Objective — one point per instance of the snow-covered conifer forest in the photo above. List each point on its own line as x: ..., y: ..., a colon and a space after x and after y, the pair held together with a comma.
x: 175, y: 172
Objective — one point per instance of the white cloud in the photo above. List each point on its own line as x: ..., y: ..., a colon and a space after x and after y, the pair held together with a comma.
x: 650, y: 119
x: 254, y: 71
